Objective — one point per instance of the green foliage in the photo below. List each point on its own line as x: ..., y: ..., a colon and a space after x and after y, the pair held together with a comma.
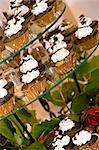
x: 92, y: 88
x: 80, y: 103
x: 7, y: 130
x: 62, y: 95
x: 27, y: 116
x: 18, y: 128
x: 89, y: 66
x: 55, y: 98
x: 44, y: 127
x: 13, y: 131
x: 18, y: 139
x: 36, y: 146
x: 74, y: 117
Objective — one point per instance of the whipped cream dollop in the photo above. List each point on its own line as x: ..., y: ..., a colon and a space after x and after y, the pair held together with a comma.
x: 18, y: 1
x: 66, y: 124
x: 15, y: 2
x: 40, y: 7
x: 60, y: 55
x: 3, y: 82
x: 30, y: 76
x: 21, y: 11
x: 56, y: 44
x: 82, y: 138
x: 12, y: 0
x: 13, y: 26
x: 3, y: 91
x: 84, y: 21
x: 28, y: 65
x: 61, y: 141
x: 17, y: 8
x: 83, y: 32
x: 84, y: 28
x: 17, y: 11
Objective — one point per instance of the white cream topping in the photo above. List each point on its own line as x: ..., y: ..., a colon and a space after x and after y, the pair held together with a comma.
x: 16, y: 2
x: 3, y: 82
x: 60, y: 142
x: 82, y: 138
x: 59, y: 148
x: 66, y: 124
x: 16, y: 8
x: 3, y: 92
x: 40, y: 7
x: 60, y: 55
x: 22, y: 10
x: 30, y: 76
x: 28, y: 65
x: 87, y: 22
x: 56, y: 42
x: 84, y: 28
x: 12, y: 0
x: 83, y: 32
x: 13, y: 28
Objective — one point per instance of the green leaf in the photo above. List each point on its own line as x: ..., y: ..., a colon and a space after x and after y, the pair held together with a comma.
x: 54, y: 98
x: 84, y: 69
x: 27, y: 116
x: 16, y: 125
x: 7, y: 130
x: 62, y: 95
x: 92, y: 88
x: 68, y: 89
x: 89, y: 66
x: 97, y: 99
x: 80, y: 103
x: 44, y: 127
x: 94, y: 63
x: 36, y: 146
x: 74, y: 117
x: 18, y: 139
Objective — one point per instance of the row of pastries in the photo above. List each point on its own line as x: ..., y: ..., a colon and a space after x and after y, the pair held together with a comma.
x: 52, y: 55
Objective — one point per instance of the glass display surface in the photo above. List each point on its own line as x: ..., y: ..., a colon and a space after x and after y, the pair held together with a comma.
x: 61, y: 80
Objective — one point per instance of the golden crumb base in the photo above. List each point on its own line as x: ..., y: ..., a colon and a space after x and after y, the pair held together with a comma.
x: 7, y: 107
x: 89, y: 43
x: 95, y: 146
x: 48, y: 17
x: 18, y: 42
x: 65, y: 66
x: 1, y: 47
x: 33, y: 90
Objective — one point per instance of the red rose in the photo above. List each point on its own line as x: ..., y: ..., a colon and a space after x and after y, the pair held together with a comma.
x: 91, y: 116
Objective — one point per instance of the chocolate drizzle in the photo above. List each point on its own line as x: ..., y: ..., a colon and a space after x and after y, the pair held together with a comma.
x: 10, y: 88
x: 82, y: 19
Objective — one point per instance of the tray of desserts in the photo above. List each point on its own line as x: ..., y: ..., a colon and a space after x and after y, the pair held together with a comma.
x: 32, y: 64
